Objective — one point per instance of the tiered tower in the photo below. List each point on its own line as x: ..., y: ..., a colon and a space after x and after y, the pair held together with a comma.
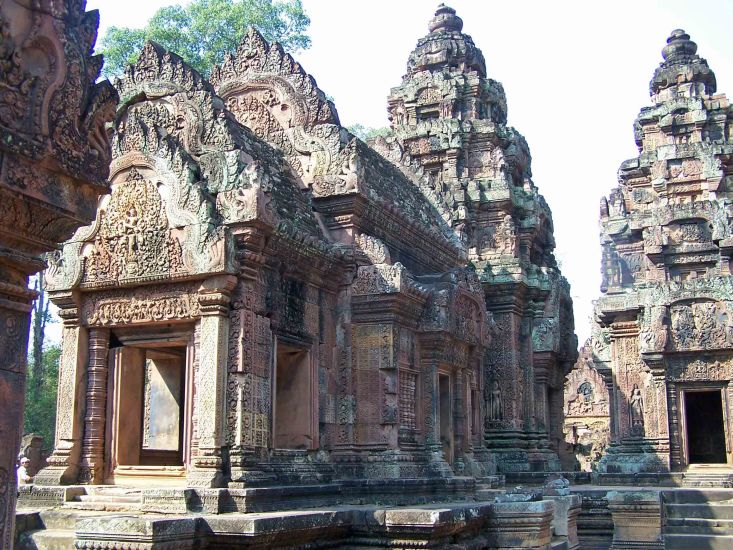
x: 664, y: 325
x: 449, y: 125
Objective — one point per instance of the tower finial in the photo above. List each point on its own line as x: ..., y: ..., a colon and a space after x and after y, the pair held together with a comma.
x: 682, y: 66
x: 445, y: 20
x: 678, y: 46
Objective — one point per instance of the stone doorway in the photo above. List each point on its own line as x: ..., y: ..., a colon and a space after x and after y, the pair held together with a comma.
x: 445, y: 416
x: 149, y: 412
x: 293, y: 399
x: 705, y: 428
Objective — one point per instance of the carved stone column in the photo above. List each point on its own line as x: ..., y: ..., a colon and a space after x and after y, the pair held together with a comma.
x: 675, y: 447
x: 92, y: 459
x: 15, y: 306
x: 54, y: 161
x: 214, y: 300
x: 64, y: 463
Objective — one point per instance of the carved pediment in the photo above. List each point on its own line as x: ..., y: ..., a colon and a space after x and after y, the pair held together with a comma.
x: 267, y: 91
x: 258, y: 65
x: 157, y: 73
x: 134, y: 238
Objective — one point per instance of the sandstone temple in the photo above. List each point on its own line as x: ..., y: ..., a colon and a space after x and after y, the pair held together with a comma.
x: 277, y: 335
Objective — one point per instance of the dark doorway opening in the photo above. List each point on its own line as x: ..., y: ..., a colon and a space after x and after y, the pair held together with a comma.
x: 445, y: 416
x: 293, y: 399
x: 705, y: 431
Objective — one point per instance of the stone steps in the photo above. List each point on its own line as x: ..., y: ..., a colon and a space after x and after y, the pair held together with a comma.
x: 707, y: 480
x: 704, y: 478
x: 717, y: 511
x: 697, y: 526
x: 108, y: 499
x: 698, y: 519
x: 697, y: 542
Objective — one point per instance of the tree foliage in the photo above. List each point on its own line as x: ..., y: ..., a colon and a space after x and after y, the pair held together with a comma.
x: 40, y: 398
x: 204, y: 30
x: 41, y: 317
x: 365, y: 133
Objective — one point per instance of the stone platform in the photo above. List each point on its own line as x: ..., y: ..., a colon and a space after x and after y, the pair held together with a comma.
x: 441, y: 525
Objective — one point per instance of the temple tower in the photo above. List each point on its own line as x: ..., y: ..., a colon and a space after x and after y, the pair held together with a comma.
x: 449, y: 124
x: 663, y: 330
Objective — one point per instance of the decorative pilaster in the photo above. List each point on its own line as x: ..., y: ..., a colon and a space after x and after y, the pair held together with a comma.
x: 64, y: 463
x: 430, y: 407
x: 15, y: 307
x: 54, y: 161
x: 214, y: 300
x: 675, y: 447
x: 92, y: 461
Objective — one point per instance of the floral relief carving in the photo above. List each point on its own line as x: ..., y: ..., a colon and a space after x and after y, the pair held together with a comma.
x: 701, y: 325
x: 152, y: 305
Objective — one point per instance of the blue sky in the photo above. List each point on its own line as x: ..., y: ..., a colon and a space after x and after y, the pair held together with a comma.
x: 575, y: 73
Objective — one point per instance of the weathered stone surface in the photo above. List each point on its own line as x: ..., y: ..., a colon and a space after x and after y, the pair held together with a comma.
x: 637, y: 519
x: 54, y: 160
x: 281, y: 260
x: 587, y: 415
x: 662, y: 326
x: 323, y: 321
x: 449, y: 133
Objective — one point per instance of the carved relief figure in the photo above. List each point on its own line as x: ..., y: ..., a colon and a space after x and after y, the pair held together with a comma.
x: 653, y: 335
x: 506, y: 236
x: 495, y: 404
x: 636, y: 411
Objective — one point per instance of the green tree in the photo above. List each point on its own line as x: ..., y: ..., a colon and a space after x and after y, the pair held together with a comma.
x: 41, y: 317
x: 365, y: 133
x: 204, y: 30
x: 40, y: 398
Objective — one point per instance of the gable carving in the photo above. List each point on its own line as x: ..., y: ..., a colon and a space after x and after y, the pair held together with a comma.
x: 134, y: 238
x: 267, y: 91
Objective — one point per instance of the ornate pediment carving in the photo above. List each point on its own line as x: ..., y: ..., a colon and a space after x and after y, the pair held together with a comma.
x: 267, y: 91
x: 158, y: 73
x: 278, y: 79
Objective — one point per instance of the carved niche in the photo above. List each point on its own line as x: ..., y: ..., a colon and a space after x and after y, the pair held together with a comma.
x: 586, y: 393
